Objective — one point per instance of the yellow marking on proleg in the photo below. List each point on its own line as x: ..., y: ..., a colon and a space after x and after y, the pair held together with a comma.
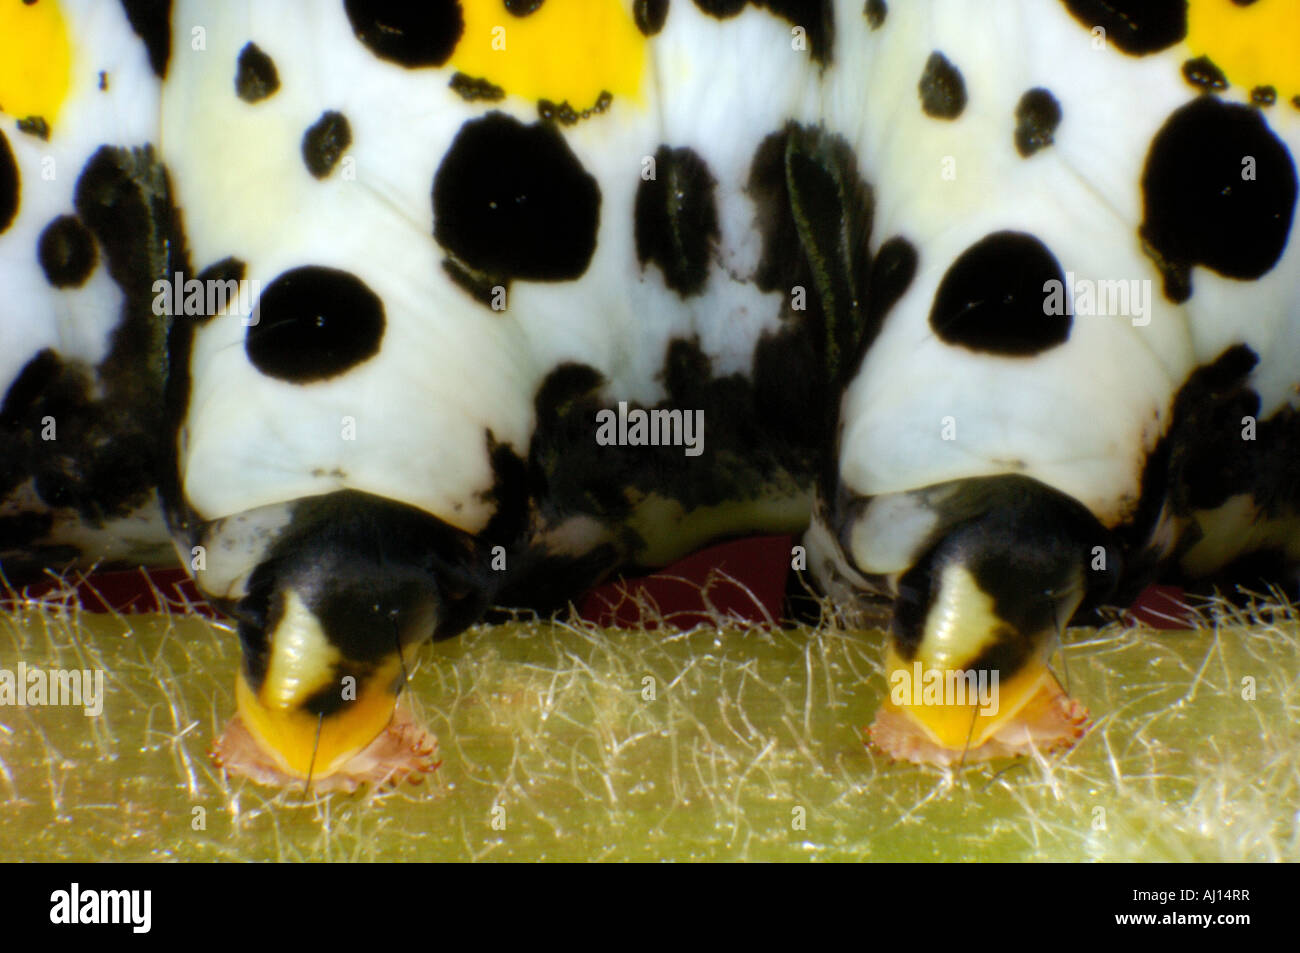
x: 567, y: 50
x: 35, y: 59
x: 946, y: 722
x: 302, y: 743
x: 1258, y: 45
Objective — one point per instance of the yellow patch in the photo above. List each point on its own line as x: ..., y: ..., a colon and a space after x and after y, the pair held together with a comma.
x: 35, y: 59
x: 566, y: 51
x: 1258, y: 45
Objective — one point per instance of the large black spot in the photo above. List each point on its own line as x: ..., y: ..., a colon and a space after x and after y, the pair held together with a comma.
x: 324, y: 143
x: 943, y: 91
x: 66, y: 251
x: 650, y: 15
x: 409, y: 34
x: 677, y: 220
x: 1037, y: 116
x: 8, y: 184
x: 255, y: 74
x: 875, y: 12
x: 151, y: 21
x: 1219, y: 190
x: 313, y: 323
x: 994, y: 299
x: 1137, y: 27
x: 513, y: 201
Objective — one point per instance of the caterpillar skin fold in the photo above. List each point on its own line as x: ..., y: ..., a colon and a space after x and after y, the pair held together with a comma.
x: 379, y: 315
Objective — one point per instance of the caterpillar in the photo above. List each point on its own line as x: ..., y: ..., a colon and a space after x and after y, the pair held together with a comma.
x: 377, y: 315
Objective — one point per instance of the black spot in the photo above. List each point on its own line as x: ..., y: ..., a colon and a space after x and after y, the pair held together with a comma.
x: 9, y: 182
x: 151, y: 21
x: 1295, y: 101
x: 815, y: 16
x: 875, y: 12
x: 650, y: 15
x: 122, y: 196
x: 1037, y: 116
x: 66, y: 251
x: 1263, y: 95
x: 1137, y: 27
x: 993, y: 298
x: 103, y: 81
x: 1243, y: 3
x: 513, y: 201
x: 891, y: 276
x: 225, y: 271
x: 325, y: 142
x: 1200, y: 208
x: 313, y: 323
x: 1203, y: 74
x: 522, y: 8
x: 943, y: 92
x: 472, y: 89
x: 35, y: 126
x: 409, y: 34
x: 255, y: 74
x: 722, y: 9
x: 677, y: 219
